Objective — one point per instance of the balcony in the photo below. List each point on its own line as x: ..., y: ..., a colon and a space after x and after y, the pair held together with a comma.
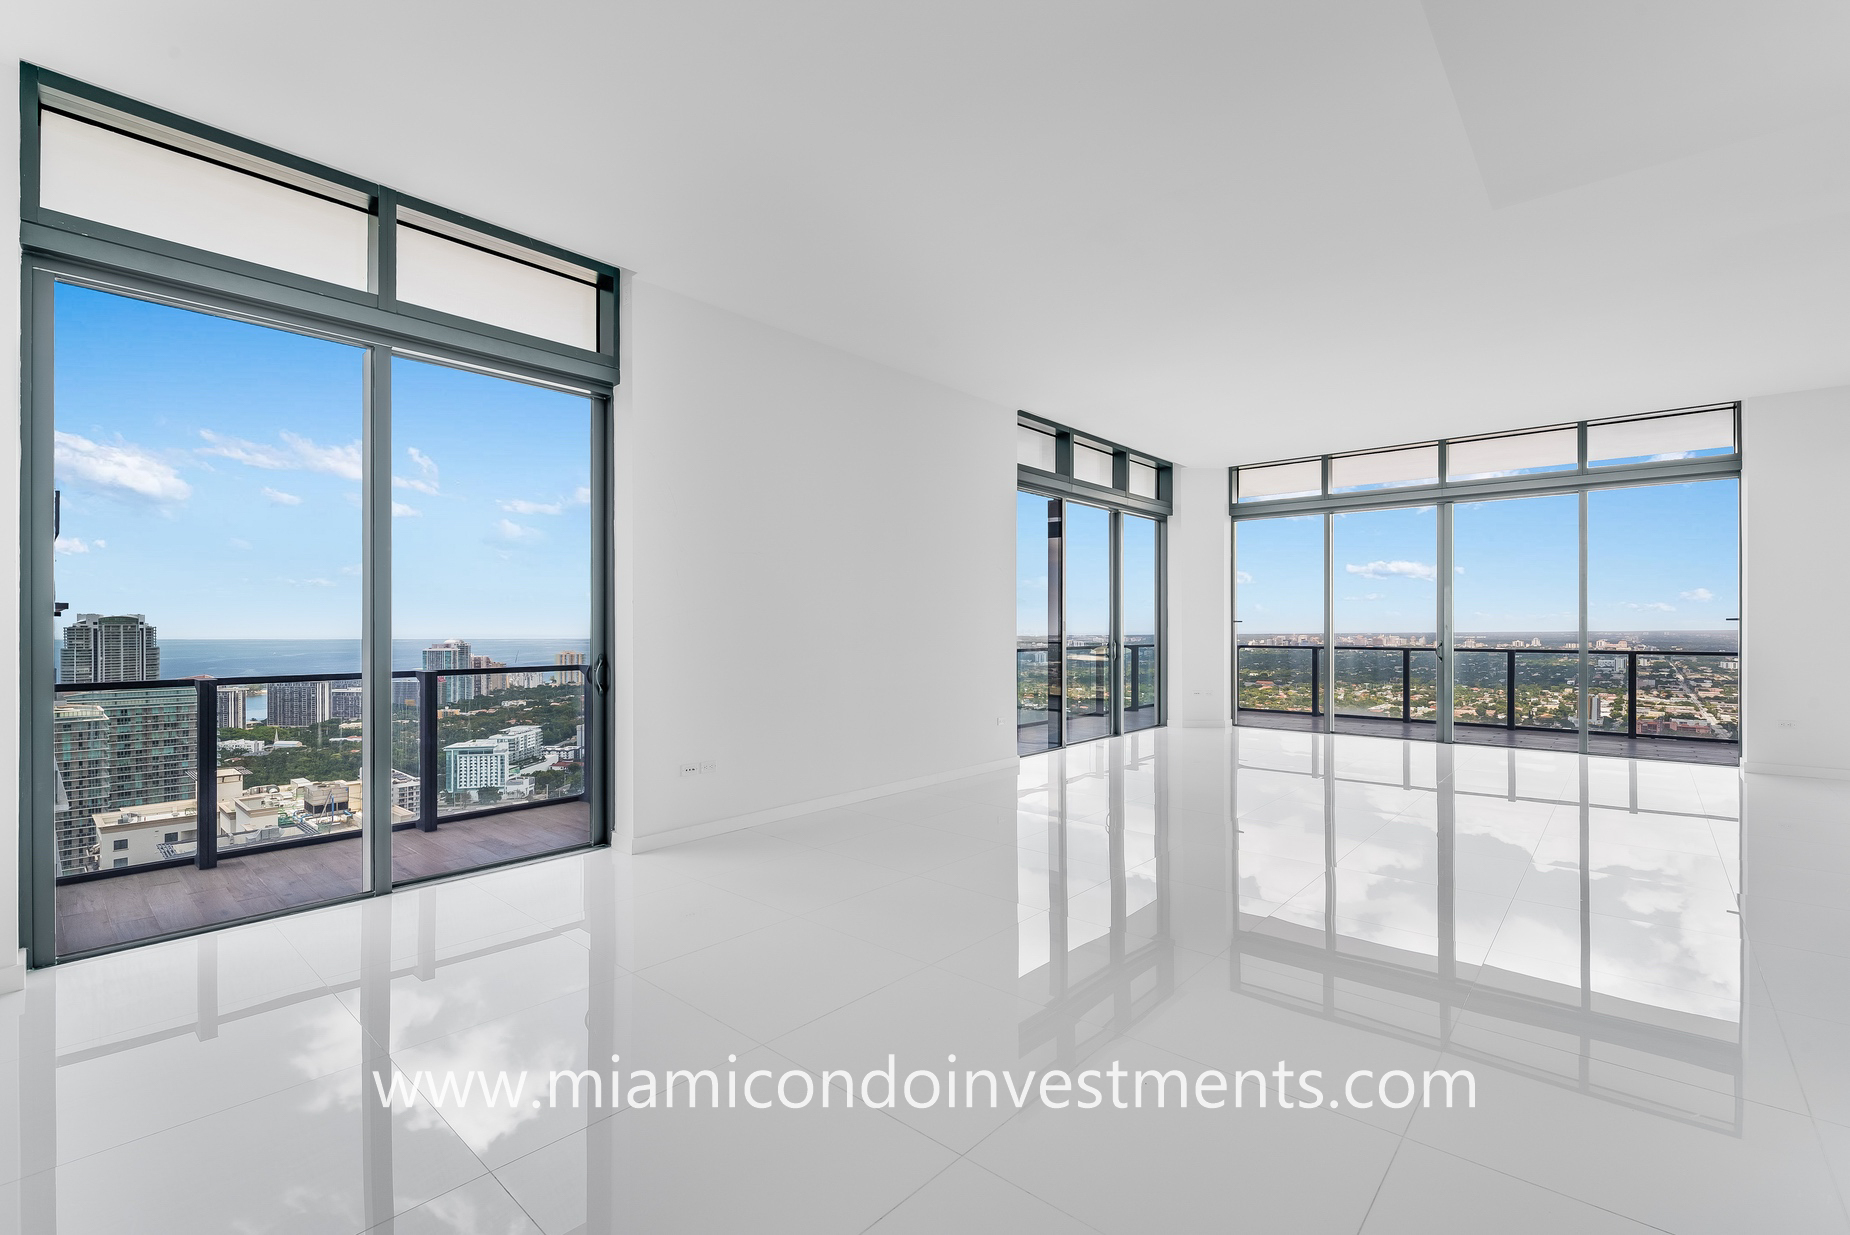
x: 1682, y: 705
x: 489, y: 766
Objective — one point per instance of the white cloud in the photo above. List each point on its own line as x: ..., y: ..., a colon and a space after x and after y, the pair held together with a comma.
x: 426, y: 479
x: 281, y: 498
x: 238, y: 542
x: 119, y: 465
x: 297, y: 454
x: 511, y: 530
x: 1390, y: 570
x: 1658, y: 605
x: 69, y: 544
x: 1368, y: 596
x: 402, y: 511
x: 520, y: 506
x: 309, y: 582
x: 1699, y: 595
x: 100, y: 543
x: 350, y: 570
x: 581, y: 496
x: 1240, y: 576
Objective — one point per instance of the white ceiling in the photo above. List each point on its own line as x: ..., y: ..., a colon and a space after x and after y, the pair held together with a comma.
x: 1221, y: 232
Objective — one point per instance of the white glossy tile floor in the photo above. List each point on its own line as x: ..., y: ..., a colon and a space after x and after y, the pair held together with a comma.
x: 1656, y: 1023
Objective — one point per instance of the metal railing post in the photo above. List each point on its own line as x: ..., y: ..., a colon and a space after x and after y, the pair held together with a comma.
x: 1316, y: 685
x: 1631, y: 694
x: 1509, y: 689
x: 427, y: 750
x: 205, y: 754
x: 1406, y: 684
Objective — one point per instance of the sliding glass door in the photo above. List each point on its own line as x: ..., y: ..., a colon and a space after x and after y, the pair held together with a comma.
x: 207, y: 648
x: 492, y: 577
x: 209, y: 718
x: 315, y: 531
x: 1088, y: 622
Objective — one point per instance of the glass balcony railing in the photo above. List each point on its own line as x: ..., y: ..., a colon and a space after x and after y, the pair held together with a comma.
x: 1693, y: 695
x: 171, y: 772
x: 1088, y: 677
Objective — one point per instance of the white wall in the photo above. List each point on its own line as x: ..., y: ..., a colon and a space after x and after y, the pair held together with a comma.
x: 1200, y: 600
x: 823, y: 584
x: 1795, y: 510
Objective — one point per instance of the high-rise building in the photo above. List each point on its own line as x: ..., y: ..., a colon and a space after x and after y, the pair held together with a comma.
x: 121, y: 648
x: 489, y: 682
x: 81, y: 746
x: 297, y: 705
x: 404, y: 692
x: 154, y: 744
x: 231, y: 711
x: 116, y: 750
x: 569, y: 658
x: 345, y: 702
x: 452, y: 654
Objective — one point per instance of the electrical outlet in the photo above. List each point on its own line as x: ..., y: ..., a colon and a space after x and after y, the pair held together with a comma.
x: 707, y: 767
x: 1786, y: 724
x: 690, y: 769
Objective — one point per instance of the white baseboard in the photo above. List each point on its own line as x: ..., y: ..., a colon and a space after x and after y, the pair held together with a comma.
x: 1221, y: 723
x: 734, y: 823
x: 13, y: 977
x: 1756, y: 767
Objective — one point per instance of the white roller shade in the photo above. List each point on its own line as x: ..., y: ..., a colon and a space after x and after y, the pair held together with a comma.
x: 442, y: 274
x: 95, y: 173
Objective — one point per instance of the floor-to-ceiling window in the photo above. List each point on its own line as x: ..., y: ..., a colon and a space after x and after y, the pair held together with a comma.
x: 315, y: 570
x: 1516, y: 616
x: 1089, y: 524
x: 1385, y: 617
x: 1571, y: 586
x: 1663, y: 599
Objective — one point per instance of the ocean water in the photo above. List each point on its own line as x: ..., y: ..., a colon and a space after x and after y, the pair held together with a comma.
x: 234, y: 658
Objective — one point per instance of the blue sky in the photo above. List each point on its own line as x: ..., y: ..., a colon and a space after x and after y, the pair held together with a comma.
x: 210, y: 473
x: 1660, y: 557
x: 1088, y: 558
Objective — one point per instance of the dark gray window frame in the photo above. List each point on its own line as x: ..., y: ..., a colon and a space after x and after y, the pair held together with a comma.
x: 62, y: 248
x: 1118, y: 501
x: 1578, y: 479
x: 1062, y: 483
